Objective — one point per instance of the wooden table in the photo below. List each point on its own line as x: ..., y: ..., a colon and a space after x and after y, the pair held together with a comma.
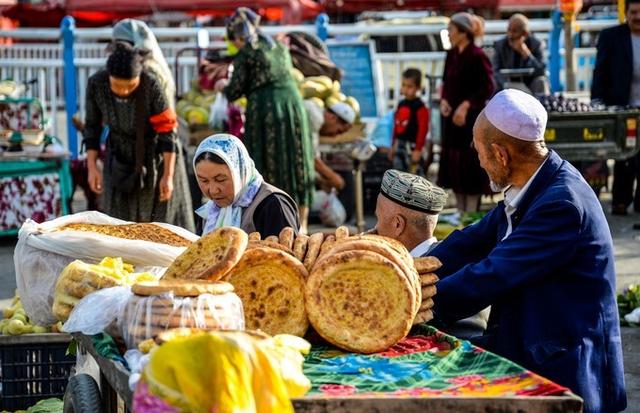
x: 114, y: 383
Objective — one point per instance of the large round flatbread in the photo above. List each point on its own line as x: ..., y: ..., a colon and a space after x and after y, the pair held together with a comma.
x: 211, y: 257
x: 268, y: 244
x: 181, y: 288
x: 270, y: 284
x: 360, y: 301
x: 355, y: 244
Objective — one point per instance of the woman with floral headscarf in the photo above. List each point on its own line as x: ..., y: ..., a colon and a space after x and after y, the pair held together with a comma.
x: 276, y: 127
x: 238, y: 196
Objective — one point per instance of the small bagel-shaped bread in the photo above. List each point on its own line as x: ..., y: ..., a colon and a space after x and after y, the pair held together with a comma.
x: 286, y: 237
x: 342, y: 232
x: 255, y: 236
x: 300, y: 246
x: 313, y: 249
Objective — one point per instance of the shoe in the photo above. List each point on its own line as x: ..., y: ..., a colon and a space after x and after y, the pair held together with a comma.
x: 619, y: 209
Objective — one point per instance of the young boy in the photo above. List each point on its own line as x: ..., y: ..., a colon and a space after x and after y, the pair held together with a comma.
x: 411, y: 124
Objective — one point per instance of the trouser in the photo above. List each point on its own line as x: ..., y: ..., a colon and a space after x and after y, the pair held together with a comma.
x: 625, y: 173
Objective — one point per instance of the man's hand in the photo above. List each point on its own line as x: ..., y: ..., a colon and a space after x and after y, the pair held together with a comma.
x: 445, y: 108
x: 520, y: 46
x: 460, y: 115
x: 95, y: 179
x: 220, y: 85
x: 166, y: 188
x: 415, y: 156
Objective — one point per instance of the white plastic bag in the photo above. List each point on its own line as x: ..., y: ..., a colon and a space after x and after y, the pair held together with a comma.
x: 42, y: 252
x: 332, y: 212
x: 95, y: 312
x: 218, y: 112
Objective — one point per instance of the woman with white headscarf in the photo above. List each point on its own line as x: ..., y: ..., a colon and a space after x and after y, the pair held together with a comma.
x: 140, y: 36
x: 238, y: 196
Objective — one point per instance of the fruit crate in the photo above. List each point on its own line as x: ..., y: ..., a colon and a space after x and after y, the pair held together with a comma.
x: 33, y: 367
x: 596, y: 135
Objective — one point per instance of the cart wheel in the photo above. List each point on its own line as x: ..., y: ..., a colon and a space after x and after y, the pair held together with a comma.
x: 82, y: 395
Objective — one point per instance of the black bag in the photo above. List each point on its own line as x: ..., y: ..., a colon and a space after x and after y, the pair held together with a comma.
x: 129, y: 178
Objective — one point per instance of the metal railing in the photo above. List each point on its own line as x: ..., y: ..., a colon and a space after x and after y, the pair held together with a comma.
x: 26, y: 60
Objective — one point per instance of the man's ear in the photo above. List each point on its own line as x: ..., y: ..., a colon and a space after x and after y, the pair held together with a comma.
x: 501, y: 154
x: 399, y: 224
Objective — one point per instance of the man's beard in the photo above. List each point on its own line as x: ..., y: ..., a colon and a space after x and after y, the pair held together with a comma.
x: 496, y: 187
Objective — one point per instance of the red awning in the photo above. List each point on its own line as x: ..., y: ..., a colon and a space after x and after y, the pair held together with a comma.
x: 359, y: 6
x: 522, y: 5
x: 147, y: 7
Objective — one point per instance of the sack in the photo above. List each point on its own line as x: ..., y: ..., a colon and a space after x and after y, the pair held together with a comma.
x: 125, y: 178
x: 332, y: 212
x: 42, y: 252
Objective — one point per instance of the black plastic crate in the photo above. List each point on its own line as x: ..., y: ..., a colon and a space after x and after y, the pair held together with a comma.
x: 32, y: 368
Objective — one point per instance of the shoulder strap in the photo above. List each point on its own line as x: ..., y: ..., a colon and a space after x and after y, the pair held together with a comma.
x: 141, y: 123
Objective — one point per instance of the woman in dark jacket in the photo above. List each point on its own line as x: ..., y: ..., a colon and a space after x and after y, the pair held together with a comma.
x: 238, y: 196
x: 467, y: 85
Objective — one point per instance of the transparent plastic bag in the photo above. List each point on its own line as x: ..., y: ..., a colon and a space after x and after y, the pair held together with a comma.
x: 218, y: 114
x: 98, y: 310
x: 42, y: 252
x: 332, y: 212
x: 146, y: 317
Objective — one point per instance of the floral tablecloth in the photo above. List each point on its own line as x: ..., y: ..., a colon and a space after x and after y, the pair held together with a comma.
x: 427, y: 363
x: 33, y: 189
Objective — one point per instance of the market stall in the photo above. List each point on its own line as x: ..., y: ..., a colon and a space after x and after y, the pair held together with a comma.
x: 466, y: 379
x: 281, y: 310
x: 34, y: 184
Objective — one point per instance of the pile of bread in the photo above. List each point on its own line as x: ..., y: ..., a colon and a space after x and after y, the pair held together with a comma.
x: 362, y: 293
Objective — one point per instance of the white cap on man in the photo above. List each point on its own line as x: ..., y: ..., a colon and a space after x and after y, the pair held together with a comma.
x: 518, y: 114
x: 344, y: 112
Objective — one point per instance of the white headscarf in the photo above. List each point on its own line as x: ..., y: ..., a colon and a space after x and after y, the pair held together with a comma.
x: 138, y: 33
x: 246, y: 181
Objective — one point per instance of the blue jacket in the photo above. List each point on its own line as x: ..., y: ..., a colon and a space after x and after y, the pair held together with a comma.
x: 551, y: 285
x: 613, y: 73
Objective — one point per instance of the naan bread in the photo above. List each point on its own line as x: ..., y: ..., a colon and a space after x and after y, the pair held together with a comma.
x: 355, y: 244
x: 342, y: 232
x: 142, y: 232
x: 313, y: 249
x: 360, y: 301
x: 181, y: 288
x: 426, y: 264
x: 255, y: 236
x: 300, y: 246
x: 268, y: 244
x: 211, y: 257
x: 270, y: 284
x: 286, y: 237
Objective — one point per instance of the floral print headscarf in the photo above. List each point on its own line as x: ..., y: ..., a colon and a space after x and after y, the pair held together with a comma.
x: 246, y: 181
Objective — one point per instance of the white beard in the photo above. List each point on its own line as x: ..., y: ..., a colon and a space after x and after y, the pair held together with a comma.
x: 496, y: 187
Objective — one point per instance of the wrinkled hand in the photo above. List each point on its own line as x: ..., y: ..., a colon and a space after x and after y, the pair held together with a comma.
x: 166, y: 188
x: 220, y: 85
x: 95, y: 179
x: 460, y: 115
x: 445, y: 108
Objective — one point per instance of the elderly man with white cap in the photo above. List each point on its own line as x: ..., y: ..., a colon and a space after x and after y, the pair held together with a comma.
x: 543, y: 259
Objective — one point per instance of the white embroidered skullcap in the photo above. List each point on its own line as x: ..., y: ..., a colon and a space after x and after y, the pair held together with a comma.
x: 344, y: 112
x: 517, y: 114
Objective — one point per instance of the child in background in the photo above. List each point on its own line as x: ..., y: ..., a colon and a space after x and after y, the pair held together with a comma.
x: 411, y: 124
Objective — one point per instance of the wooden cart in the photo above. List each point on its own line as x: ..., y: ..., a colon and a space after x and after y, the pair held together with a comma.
x: 115, y: 396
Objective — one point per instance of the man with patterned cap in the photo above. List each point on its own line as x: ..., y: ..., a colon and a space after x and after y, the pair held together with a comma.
x: 407, y: 210
x: 543, y: 259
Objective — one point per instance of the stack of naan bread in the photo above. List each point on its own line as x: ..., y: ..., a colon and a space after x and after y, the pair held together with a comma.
x: 362, y: 293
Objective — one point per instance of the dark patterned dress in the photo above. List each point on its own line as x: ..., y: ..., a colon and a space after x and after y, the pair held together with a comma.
x: 467, y: 76
x: 103, y: 108
x: 277, y: 133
